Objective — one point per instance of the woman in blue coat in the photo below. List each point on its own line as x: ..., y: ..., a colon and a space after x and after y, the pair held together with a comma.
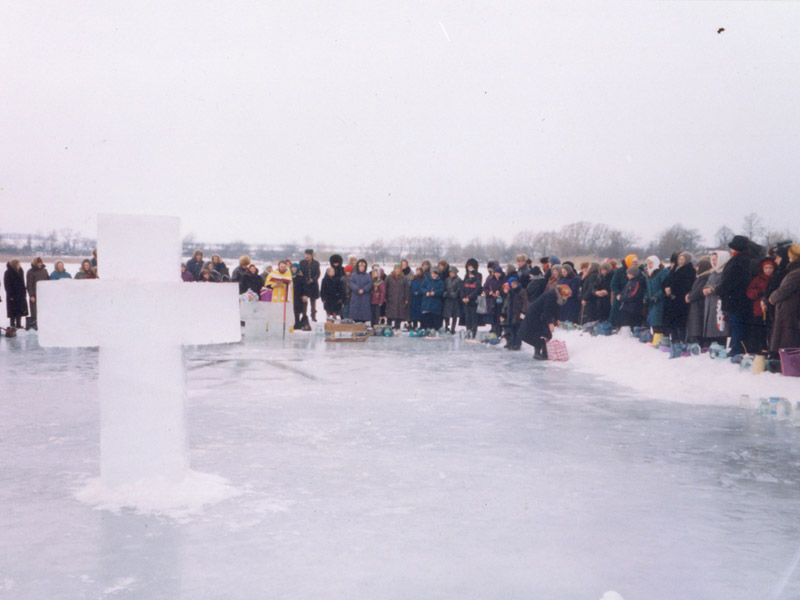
x: 571, y: 309
x: 360, y: 288
x: 432, y: 294
x: 415, y: 286
x: 656, y: 275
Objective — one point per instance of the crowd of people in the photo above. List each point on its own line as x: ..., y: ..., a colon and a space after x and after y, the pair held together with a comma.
x: 741, y: 297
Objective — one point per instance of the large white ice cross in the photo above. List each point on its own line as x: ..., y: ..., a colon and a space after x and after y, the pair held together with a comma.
x: 140, y: 314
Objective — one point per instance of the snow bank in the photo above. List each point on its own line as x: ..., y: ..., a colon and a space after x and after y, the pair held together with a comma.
x: 623, y: 360
x: 158, y: 495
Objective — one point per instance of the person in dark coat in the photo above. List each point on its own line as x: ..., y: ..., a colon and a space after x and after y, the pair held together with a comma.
x: 757, y: 341
x: 590, y: 273
x: 493, y: 291
x: 523, y: 270
x: 332, y: 292
x: 299, y: 299
x: 677, y: 284
x: 602, y: 291
x: 571, y: 309
x: 241, y: 270
x: 516, y: 305
x: 309, y: 266
x: 732, y: 290
x: 432, y: 301
x: 398, y: 297
x: 336, y: 262
x: 406, y: 269
x: 186, y: 275
x: 360, y: 291
x: 536, y: 284
x: 453, y: 292
x: 632, y: 298
x: 471, y: 288
x: 220, y: 267
x: 780, y: 255
x: 251, y: 280
x: 618, y: 283
x: 37, y: 272
x: 377, y: 298
x: 195, y: 264
x: 16, y: 300
x: 541, y: 318
x: 415, y: 288
x: 696, y: 299
x: 786, y: 300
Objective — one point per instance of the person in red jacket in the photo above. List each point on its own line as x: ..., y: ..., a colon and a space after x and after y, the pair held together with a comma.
x: 757, y: 329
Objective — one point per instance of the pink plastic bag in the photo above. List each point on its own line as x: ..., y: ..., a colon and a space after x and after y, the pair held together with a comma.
x: 266, y: 295
x: 790, y: 362
x: 557, y: 350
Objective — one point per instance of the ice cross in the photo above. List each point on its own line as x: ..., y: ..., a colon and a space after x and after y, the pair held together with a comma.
x: 140, y: 314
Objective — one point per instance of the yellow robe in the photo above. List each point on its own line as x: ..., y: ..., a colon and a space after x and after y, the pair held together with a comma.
x: 281, y: 284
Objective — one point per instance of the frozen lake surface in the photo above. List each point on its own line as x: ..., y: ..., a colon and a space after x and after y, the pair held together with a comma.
x: 401, y: 468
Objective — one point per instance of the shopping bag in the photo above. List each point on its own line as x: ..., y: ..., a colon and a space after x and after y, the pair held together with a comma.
x: 266, y: 295
x: 790, y: 362
x: 482, y: 309
x: 557, y: 350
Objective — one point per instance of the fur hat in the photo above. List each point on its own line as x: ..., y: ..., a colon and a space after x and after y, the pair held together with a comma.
x: 740, y: 243
x: 308, y: 251
x: 336, y: 259
x: 471, y: 262
x: 454, y: 269
x: 536, y: 272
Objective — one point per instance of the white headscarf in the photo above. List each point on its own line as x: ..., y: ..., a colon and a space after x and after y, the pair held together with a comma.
x: 723, y: 256
x: 655, y: 260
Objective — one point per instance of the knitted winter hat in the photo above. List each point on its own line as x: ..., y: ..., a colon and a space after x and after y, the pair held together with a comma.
x: 498, y: 270
x: 634, y: 271
x: 348, y: 269
x: 510, y: 279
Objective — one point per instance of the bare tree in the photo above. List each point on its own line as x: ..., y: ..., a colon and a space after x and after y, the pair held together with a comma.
x: 676, y: 239
x: 753, y: 226
x: 723, y: 236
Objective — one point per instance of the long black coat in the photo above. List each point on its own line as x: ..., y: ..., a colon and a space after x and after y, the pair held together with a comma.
x: 732, y: 289
x: 16, y: 300
x: 695, y: 322
x: 333, y: 293
x: 538, y: 317
x: 311, y: 274
x: 676, y: 310
x: 786, y: 330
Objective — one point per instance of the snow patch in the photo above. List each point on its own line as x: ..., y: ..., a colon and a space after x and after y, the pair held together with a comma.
x: 622, y: 359
x: 159, y: 496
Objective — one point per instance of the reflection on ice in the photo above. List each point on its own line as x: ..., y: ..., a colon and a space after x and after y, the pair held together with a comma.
x: 402, y: 468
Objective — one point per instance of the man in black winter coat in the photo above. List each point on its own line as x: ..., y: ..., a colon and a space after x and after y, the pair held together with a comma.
x: 310, y: 268
x: 732, y: 290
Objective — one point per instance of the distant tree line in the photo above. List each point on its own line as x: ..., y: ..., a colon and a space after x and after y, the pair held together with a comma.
x: 576, y: 239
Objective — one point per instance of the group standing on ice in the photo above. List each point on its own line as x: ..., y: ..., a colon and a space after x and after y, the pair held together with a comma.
x: 740, y: 296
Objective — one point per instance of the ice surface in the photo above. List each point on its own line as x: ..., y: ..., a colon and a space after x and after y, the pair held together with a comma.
x: 139, y: 314
x: 399, y: 468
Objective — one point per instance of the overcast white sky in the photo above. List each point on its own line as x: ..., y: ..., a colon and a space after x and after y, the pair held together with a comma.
x: 343, y: 122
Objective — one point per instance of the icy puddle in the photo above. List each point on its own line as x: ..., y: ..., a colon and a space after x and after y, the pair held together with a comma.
x: 401, y: 468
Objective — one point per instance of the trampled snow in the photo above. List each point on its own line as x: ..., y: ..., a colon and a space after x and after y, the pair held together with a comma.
x: 410, y: 468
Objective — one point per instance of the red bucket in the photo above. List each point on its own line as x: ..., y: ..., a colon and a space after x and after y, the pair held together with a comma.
x: 790, y: 362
